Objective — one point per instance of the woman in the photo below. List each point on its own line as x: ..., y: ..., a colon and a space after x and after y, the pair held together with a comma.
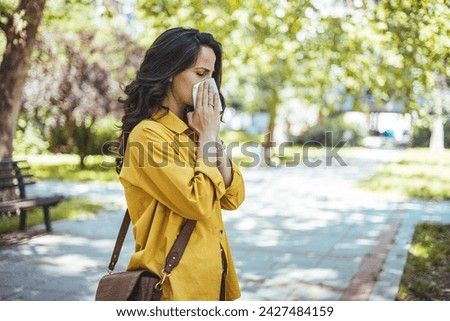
x: 174, y: 167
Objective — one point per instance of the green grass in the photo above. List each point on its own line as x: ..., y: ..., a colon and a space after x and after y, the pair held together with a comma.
x: 65, y: 209
x: 427, y: 271
x: 420, y: 173
x: 64, y: 167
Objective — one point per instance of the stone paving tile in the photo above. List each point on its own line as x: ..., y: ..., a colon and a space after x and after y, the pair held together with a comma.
x: 281, y: 241
x: 383, y: 291
x: 253, y: 264
x: 292, y: 263
x: 314, y: 293
x: 318, y: 244
x: 343, y: 269
x: 309, y: 275
x: 265, y: 293
x: 351, y: 246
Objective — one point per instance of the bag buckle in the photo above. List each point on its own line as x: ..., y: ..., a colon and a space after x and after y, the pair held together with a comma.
x: 159, y: 285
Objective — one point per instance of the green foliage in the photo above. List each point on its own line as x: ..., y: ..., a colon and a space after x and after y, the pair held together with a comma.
x: 340, y: 131
x: 421, y: 136
x: 104, y: 131
x: 66, y: 209
x: 7, y: 7
x: 421, y: 173
x: 418, y: 33
x: 81, y: 56
x: 392, y: 51
x: 426, y: 275
x: 90, y: 138
x: 259, y: 41
x: 66, y: 168
x: 93, y: 140
x: 232, y: 136
x: 28, y: 139
x: 373, y: 52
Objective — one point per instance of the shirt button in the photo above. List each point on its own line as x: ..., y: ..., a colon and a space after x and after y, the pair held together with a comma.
x: 221, y: 233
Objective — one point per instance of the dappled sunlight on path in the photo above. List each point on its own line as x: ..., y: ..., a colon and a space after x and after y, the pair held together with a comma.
x: 302, y: 234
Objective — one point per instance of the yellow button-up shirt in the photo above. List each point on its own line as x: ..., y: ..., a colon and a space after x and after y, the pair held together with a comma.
x: 165, y: 183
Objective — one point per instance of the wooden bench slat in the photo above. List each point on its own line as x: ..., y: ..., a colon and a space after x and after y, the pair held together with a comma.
x: 13, y: 176
x: 4, y: 172
x: 14, y: 205
x: 25, y: 168
x: 11, y: 185
x: 15, y: 161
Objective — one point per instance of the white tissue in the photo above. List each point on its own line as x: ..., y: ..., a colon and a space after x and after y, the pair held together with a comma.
x: 212, y: 82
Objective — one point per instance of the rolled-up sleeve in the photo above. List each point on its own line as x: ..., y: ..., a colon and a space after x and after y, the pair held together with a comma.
x: 235, y: 193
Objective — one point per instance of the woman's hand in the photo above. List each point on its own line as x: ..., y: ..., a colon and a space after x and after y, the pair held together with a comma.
x: 205, y: 119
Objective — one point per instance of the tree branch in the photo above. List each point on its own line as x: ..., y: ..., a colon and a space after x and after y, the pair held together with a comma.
x: 3, y: 25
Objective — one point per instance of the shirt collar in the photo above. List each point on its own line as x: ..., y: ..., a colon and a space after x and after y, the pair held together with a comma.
x: 171, y: 121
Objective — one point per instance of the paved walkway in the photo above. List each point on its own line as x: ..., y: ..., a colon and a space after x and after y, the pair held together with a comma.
x: 302, y: 234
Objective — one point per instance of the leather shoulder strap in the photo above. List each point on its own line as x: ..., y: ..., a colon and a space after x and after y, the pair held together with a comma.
x: 178, y: 247
x: 119, y: 241
x: 174, y: 256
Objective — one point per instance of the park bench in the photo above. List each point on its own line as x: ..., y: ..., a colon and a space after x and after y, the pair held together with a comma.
x: 14, y: 177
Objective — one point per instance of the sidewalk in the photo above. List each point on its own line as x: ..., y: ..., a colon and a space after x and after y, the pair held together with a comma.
x: 302, y: 234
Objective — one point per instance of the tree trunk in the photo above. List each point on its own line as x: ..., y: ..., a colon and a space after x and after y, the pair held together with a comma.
x: 437, y: 133
x: 20, y: 31
x: 269, y: 142
x: 437, y: 130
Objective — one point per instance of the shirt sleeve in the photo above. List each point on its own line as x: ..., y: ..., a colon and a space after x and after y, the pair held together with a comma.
x: 235, y: 193
x: 152, y: 164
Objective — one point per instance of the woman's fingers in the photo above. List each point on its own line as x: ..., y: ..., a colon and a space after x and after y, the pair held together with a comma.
x: 190, y: 116
x: 199, y: 101
x: 216, y: 102
x: 210, y: 96
x: 206, y: 117
x: 206, y: 97
x: 205, y: 94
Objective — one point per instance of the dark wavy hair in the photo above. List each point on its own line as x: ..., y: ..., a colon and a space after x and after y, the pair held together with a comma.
x: 173, y: 51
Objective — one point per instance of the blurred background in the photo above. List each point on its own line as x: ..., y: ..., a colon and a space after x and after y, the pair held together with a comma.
x: 375, y: 74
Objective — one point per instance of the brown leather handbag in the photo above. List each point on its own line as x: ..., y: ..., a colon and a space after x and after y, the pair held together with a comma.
x: 142, y: 285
